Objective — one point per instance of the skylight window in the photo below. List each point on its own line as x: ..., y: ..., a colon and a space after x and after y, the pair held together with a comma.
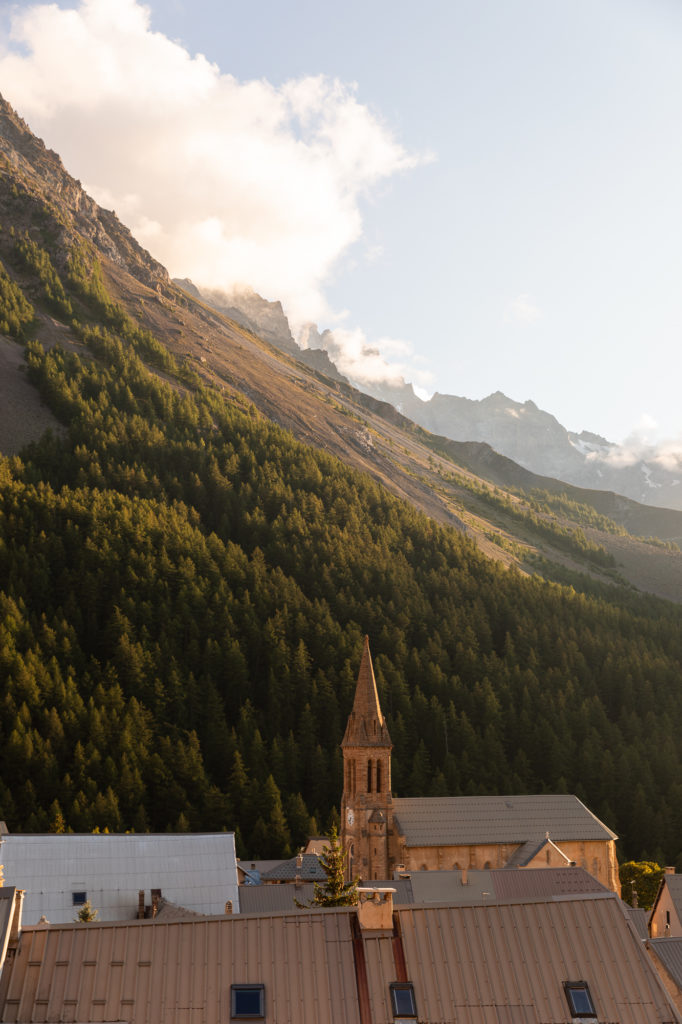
x: 580, y: 1001
x: 247, y: 1002
x: 403, y: 1001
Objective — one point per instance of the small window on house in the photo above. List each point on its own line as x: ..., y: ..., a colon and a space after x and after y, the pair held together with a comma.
x: 378, y: 776
x: 79, y: 898
x: 579, y: 999
x: 402, y: 1000
x: 247, y: 1002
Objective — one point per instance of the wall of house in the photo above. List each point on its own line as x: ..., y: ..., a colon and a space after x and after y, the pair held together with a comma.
x: 665, y: 911
x: 598, y: 858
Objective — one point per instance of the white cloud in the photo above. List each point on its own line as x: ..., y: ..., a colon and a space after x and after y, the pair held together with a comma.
x: 523, y: 310
x: 390, y: 361
x: 226, y: 182
x: 644, y: 444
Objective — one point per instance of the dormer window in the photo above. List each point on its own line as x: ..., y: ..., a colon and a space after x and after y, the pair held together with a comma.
x: 579, y: 998
x: 247, y: 1002
x: 403, y: 1002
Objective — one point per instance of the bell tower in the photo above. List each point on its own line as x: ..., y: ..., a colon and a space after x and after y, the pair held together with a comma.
x: 366, y: 805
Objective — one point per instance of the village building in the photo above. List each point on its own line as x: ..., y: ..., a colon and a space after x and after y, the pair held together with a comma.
x: 59, y: 873
x: 665, y: 919
x: 511, y: 962
x: 382, y: 834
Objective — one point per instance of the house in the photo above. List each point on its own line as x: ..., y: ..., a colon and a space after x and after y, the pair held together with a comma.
x: 60, y: 872
x: 666, y: 954
x: 511, y: 962
x: 381, y: 834
x: 665, y: 918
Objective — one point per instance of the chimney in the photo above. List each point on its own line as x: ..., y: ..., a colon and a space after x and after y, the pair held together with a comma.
x: 228, y: 906
x: 465, y: 876
x: 375, y: 909
x: 670, y: 870
x: 140, y: 904
x: 299, y: 865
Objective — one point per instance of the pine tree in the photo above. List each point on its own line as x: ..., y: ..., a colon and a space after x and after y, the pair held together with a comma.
x: 86, y: 913
x: 335, y: 892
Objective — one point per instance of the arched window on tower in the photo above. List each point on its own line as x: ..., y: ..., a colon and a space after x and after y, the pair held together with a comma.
x: 378, y: 779
x: 352, y: 776
x: 369, y: 776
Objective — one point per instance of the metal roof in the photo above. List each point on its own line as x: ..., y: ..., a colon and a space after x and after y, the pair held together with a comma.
x: 310, y: 869
x: 669, y: 952
x: 674, y: 885
x: 509, y: 962
x: 180, y: 973
x: 272, y: 899
x: 198, y: 872
x: 481, y: 964
x: 473, y: 820
x: 503, y: 885
x: 639, y: 918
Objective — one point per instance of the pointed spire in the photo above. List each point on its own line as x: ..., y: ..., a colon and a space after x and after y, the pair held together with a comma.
x: 366, y: 725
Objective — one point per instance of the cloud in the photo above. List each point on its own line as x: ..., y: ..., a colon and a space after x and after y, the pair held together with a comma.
x: 226, y: 182
x: 389, y: 361
x: 644, y: 444
x: 523, y: 310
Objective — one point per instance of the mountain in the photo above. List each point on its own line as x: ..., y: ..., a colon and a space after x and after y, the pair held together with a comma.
x: 191, y: 556
x: 538, y: 442
x: 530, y: 436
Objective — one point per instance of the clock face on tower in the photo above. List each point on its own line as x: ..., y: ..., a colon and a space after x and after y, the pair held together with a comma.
x: 350, y: 817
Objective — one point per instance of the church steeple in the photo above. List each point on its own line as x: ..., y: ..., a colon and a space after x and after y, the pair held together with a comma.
x: 366, y: 805
x: 366, y: 725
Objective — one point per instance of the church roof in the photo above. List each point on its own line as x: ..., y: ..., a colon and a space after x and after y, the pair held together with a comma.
x: 471, y: 820
x: 366, y: 724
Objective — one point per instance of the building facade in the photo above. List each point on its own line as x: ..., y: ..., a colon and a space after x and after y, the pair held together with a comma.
x: 382, y: 833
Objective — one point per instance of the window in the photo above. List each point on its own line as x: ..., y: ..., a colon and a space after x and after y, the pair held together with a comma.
x: 79, y: 898
x: 369, y: 776
x: 579, y: 999
x: 402, y: 1000
x: 378, y: 776
x: 247, y: 1001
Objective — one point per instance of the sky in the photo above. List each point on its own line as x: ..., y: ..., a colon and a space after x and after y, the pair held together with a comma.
x: 475, y: 195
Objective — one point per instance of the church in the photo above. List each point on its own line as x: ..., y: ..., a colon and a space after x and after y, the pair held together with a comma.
x: 382, y: 834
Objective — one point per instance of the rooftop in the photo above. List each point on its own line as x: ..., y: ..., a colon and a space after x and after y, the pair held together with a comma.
x: 472, y: 820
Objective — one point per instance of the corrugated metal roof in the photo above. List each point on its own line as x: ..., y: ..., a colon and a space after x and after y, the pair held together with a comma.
x: 669, y: 952
x: 272, y: 899
x: 472, y: 820
x: 180, y: 973
x: 481, y: 964
x: 196, y: 871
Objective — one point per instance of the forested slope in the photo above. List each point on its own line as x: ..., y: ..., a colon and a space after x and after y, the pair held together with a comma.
x: 184, y: 588
x: 184, y: 592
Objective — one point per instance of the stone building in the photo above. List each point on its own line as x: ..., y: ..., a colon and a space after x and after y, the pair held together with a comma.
x: 382, y: 834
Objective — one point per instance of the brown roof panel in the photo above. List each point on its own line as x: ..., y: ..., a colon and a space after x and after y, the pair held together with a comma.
x: 181, y: 972
x: 468, y: 963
